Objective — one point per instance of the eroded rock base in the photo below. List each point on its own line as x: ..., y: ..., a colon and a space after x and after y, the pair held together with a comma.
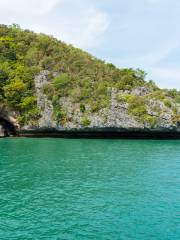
x: 104, y: 134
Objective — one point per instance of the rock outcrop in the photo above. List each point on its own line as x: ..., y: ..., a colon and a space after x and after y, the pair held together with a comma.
x: 116, y: 115
x: 114, y: 118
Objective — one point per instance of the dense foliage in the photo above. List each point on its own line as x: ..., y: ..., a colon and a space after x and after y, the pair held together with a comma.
x: 74, y: 73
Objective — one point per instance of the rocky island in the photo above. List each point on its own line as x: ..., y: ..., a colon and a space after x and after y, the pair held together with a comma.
x: 49, y: 88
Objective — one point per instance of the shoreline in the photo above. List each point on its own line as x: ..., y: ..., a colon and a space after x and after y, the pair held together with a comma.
x: 103, y: 134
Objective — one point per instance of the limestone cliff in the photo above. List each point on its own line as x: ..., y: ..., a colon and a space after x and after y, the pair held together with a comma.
x: 115, y: 116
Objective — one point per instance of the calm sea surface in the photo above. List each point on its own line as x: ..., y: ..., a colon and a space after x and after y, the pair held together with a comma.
x: 89, y: 189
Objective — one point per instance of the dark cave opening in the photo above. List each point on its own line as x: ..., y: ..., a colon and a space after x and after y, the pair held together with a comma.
x: 7, y: 128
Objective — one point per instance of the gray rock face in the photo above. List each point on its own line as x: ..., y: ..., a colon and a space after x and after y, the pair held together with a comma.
x: 157, y: 109
x: 117, y: 114
x: 45, y: 106
x: 140, y: 91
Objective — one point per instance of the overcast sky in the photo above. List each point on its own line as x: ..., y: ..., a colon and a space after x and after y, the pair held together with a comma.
x: 129, y: 33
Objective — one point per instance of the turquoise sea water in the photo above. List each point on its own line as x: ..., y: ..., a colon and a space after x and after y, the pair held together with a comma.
x: 89, y: 189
